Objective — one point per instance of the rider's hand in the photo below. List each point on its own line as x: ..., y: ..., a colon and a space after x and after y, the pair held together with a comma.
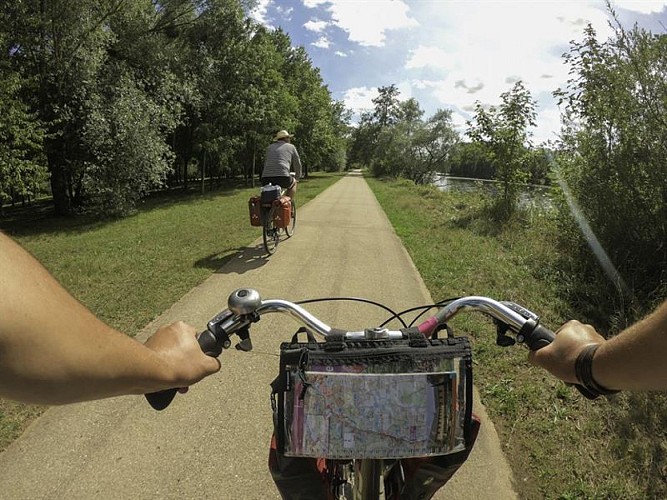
x: 559, y: 357
x: 185, y: 363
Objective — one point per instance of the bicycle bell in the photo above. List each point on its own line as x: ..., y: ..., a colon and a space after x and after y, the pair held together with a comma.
x: 244, y: 301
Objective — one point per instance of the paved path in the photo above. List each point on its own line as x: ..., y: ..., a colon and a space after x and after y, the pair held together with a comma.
x: 212, y: 443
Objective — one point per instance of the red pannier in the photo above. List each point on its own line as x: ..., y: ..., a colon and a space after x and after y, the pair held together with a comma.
x: 255, y: 209
x: 282, y: 214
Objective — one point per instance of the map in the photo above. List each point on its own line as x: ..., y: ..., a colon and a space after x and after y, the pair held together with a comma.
x: 361, y: 415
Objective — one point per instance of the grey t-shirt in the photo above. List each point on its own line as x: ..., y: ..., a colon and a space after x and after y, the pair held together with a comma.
x: 280, y: 156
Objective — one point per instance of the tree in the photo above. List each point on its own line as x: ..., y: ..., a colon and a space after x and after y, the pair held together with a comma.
x: 504, y: 130
x: 363, y: 140
x: 614, y: 151
x: 59, y: 46
x: 22, y: 170
x: 210, y: 87
x: 472, y: 159
x: 394, y: 140
x: 433, y: 143
x: 79, y: 57
x: 125, y: 136
x: 387, y: 109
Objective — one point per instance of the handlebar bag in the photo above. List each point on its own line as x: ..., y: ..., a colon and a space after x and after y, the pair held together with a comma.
x: 388, y: 399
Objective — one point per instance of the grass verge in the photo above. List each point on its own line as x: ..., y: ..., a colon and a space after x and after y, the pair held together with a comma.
x: 559, y: 444
x: 128, y: 271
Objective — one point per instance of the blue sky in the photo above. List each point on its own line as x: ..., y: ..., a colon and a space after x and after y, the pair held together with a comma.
x: 447, y: 53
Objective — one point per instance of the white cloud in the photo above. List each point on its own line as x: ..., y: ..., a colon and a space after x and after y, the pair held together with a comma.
x: 548, y: 119
x: 359, y: 98
x: 641, y: 6
x: 259, y: 13
x: 322, y: 42
x: 475, y: 52
x: 316, y: 26
x: 285, y: 12
x: 424, y: 56
x: 312, y: 4
x: 367, y: 23
x: 460, y: 122
x: 453, y: 53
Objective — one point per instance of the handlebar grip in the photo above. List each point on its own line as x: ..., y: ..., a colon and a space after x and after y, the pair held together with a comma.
x: 540, y: 336
x: 161, y: 399
x: 209, y: 345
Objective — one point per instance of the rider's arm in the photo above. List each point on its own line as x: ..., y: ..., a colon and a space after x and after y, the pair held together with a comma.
x: 632, y: 360
x: 53, y: 350
x: 296, y: 164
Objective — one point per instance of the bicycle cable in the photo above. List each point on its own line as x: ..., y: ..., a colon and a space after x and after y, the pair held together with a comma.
x: 424, y: 309
x: 394, y: 315
x: 358, y: 299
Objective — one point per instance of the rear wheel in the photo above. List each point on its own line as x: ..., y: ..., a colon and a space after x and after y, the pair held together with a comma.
x: 270, y: 230
x: 289, y: 230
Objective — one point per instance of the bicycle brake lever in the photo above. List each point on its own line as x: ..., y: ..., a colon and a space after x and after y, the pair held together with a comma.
x: 245, y: 344
x: 502, y: 339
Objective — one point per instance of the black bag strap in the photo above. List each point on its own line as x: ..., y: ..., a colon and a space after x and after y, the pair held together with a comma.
x: 415, y: 337
x: 309, y: 336
x: 335, y: 340
x: 439, y: 328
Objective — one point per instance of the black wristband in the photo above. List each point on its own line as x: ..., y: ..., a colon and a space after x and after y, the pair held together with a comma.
x: 584, y: 369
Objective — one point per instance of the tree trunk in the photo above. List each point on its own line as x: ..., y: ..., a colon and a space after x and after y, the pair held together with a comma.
x: 61, y: 200
x: 203, y: 174
x: 254, y: 159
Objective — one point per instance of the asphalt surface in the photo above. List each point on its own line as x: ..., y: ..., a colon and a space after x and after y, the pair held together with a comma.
x: 212, y: 443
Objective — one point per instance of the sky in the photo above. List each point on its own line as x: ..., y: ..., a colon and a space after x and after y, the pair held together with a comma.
x: 449, y: 54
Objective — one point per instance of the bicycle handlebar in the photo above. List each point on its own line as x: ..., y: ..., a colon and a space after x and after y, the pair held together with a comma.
x: 245, y: 307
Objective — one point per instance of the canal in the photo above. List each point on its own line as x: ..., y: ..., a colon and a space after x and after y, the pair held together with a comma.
x: 531, y: 194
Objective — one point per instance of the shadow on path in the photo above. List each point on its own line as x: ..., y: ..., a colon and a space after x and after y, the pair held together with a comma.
x: 242, y: 259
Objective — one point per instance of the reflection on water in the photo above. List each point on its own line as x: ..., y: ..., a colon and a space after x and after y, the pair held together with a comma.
x: 531, y: 194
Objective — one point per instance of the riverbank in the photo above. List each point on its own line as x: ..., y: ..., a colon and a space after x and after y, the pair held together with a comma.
x: 560, y: 445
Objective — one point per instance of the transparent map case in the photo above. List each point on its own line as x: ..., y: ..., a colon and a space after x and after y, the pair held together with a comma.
x: 376, y: 411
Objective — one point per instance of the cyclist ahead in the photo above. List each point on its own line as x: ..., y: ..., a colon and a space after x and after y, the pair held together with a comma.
x: 281, y: 156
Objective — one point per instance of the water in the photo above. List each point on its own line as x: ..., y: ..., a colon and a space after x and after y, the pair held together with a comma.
x: 531, y: 194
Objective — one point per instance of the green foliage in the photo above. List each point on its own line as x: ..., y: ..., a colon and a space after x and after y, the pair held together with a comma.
x: 614, y: 159
x: 129, y: 154
x: 129, y: 94
x: 22, y: 174
x: 472, y: 159
x: 560, y: 445
x: 395, y: 141
x: 432, y: 143
x: 504, y: 130
x: 387, y: 106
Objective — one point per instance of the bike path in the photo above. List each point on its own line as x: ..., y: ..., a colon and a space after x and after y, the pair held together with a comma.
x: 212, y: 443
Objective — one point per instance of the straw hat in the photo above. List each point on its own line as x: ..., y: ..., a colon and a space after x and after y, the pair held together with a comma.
x: 283, y: 134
